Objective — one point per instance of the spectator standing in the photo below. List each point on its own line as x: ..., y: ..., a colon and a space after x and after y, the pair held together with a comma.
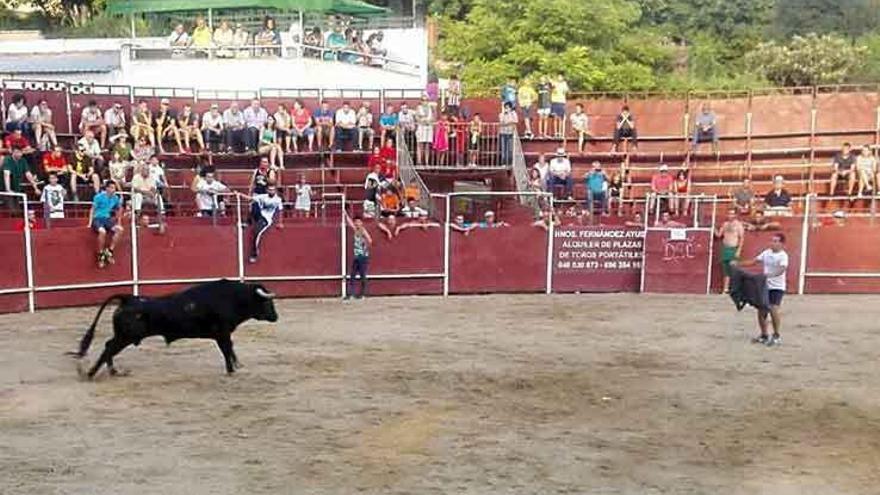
x: 597, y: 187
x: 365, y: 127
x: 475, y: 137
x: 625, y: 128
x: 580, y: 124
x: 508, y: 93
x: 706, y: 129
x: 558, y: 98
x: 234, y: 126
x: 682, y: 188
x: 92, y: 120
x: 732, y: 233
x: 388, y: 123
x: 346, y: 127
x: 545, y: 106
x: 104, y: 219
x: 560, y: 173
x: 453, y: 96
x: 662, y: 188
x: 843, y: 169
x: 212, y: 128
x: 406, y: 120
x: 866, y: 164
x: 490, y: 221
x: 324, y: 124
x: 255, y: 117
x: 425, y: 119
x: 412, y: 209
x: 208, y: 201
x: 114, y: 119
x: 302, y: 126
x: 303, y: 205
x: 44, y: 128
x: 507, y: 123
x: 778, y: 200
x: 441, y: 140
x: 17, y: 115
x: 527, y: 96
x: 362, y: 242
x: 53, y: 196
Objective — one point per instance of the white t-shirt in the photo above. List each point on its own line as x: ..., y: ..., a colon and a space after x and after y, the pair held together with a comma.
x: 53, y: 195
x: 773, y: 263
x: 542, y: 169
x: 579, y: 121
x: 16, y: 113
x: 205, y: 193
x: 560, y: 166
x: 303, y: 197
x: 269, y: 206
x: 414, y: 212
x: 344, y: 118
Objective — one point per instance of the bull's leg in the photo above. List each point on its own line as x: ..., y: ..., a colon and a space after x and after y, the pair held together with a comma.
x: 113, y: 347
x: 224, y: 342
x: 235, y: 361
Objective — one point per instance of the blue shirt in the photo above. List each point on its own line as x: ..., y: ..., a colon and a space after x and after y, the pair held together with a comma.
x: 105, y: 205
x: 596, y: 182
x: 388, y: 120
x: 321, y: 113
x: 508, y: 94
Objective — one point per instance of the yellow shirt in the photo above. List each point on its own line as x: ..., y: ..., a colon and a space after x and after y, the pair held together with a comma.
x: 201, y: 36
x: 526, y: 95
x: 560, y: 90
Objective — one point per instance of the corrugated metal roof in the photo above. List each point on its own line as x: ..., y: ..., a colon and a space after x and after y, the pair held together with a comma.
x: 12, y: 63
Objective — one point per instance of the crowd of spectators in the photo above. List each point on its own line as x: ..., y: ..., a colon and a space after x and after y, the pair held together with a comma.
x: 338, y: 40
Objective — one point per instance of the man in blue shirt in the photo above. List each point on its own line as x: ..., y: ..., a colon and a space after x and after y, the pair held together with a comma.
x: 103, y: 218
x: 323, y: 116
x: 597, y: 185
x: 508, y: 93
x: 388, y: 123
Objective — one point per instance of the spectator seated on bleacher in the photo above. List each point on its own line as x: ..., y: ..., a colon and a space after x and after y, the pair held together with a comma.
x: 43, y: 126
x: 706, y: 129
x: 759, y: 222
x: 157, y: 174
x: 323, y: 117
x: 560, y: 174
x: 283, y: 127
x: 118, y: 170
x: 241, y: 40
x: 224, y: 40
x: 17, y: 115
x: 662, y: 188
x: 255, y: 118
x: 346, y: 127
x: 145, y: 191
x: 625, y: 128
x: 866, y: 164
x: 166, y: 126
x: 270, y: 145
x: 376, y: 49
x: 778, y: 201
x: 843, y: 169
x: 115, y: 120
x: 142, y: 152
x: 92, y: 149
x: 83, y: 169
x: 596, y: 182
x: 234, y: 128
x: 55, y: 163
x: 202, y: 37
x: 302, y: 126
x: 580, y: 126
x: 637, y: 221
x: 207, y: 189
x: 268, y: 39
x: 681, y: 188
x: 142, y: 123
x: 52, y: 197
x: 178, y: 41
x: 365, y: 132
x: 336, y: 43
x: 744, y: 197
x: 546, y: 218
x: 315, y: 39
x: 15, y: 171
x: 17, y: 139
x: 666, y: 222
x: 617, y: 190
x: 188, y: 129
x: 92, y: 120
x: 212, y: 129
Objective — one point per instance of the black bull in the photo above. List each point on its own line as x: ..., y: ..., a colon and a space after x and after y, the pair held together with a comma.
x: 207, y: 311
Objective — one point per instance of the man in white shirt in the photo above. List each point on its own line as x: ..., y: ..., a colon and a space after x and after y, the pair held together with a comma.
x: 92, y: 149
x: 207, y: 200
x: 212, y: 127
x: 255, y: 117
x: 144, y: 189
x: 580, y: 124
x: 346, y: 123
x: 53, y: 197
x: 365, y: 127
x: 233, y: 123
x: 413, y: 210
x: 560, y: 173
x: 114, y: 119
x: 774, y: 260
x: 268, y: 206
x: 92, y: 120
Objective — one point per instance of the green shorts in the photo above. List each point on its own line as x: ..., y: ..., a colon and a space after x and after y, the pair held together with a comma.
x: 728, y: 254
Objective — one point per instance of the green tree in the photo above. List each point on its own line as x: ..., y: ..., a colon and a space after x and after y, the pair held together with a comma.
x: 806, y: 60
x: 850, y: 18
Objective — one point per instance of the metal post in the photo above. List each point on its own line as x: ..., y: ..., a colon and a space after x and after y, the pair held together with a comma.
x: 712, y: 244
x: 28, y: 256
x: 133, y: 33
x: 805, y: 238
x: 446, y: 246
x: 211, y: 19
x: 644, y: 254
x: 239, y: 228
x: 134, y: 256
x: 69, y: 111
x: 550, y: 234
x: 344, y: 251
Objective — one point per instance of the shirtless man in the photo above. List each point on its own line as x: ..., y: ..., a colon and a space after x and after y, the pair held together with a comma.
x: 732, y: 233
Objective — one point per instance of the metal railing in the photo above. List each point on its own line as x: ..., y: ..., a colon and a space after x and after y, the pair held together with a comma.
x: 409, y: 175
x: 446, y: 144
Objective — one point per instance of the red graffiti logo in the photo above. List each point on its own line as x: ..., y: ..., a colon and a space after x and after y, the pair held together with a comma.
x: 680, y: 250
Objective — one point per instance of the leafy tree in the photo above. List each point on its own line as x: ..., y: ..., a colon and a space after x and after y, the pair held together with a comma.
x: 850, y: 18
x: 806, y: 60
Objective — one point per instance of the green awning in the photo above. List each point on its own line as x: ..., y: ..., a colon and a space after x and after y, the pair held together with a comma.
x: 352, y: 7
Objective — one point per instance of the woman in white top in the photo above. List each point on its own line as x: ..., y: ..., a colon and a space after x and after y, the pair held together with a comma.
x: 44, y: 129
x: 224, y: 38
x: 866, y: 164
x: 17, y: 116
x: 303, y: 205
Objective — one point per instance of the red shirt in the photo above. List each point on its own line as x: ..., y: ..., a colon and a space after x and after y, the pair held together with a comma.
x: 662, y: 183
x: 387, y: 152
x: 374, y: 160
x: 301, y: 118
x: 19, y: 225
x: 389, y: 169
x: 52, y: 163
x: 12, y: 142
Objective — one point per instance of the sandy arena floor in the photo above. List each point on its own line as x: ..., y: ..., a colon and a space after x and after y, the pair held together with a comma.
x: 617, y: 394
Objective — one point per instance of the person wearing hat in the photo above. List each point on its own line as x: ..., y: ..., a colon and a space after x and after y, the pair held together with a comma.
x: 661, y: 188
x: 92, y: 120
x: 114, y: 119
x: 778, y: 200
x: 597, y: 187
x: 212, y: 127
x: 560, y: 172
x: 166, y: 125
x: 489, y: 221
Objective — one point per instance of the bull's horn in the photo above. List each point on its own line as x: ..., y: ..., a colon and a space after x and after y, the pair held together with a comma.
x: 265, y: 294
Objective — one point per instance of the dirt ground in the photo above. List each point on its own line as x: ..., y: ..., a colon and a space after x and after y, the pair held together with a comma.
x: 589, y: 394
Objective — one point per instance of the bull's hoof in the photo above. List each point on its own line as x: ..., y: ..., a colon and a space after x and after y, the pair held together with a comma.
x: 119, y: 372
x: 82, y: 368
x: 238, y: 365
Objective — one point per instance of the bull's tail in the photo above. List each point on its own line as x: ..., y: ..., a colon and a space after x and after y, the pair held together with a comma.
x: 86, y: 340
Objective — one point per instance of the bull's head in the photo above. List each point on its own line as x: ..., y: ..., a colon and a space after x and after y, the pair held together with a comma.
x: 265, y: 308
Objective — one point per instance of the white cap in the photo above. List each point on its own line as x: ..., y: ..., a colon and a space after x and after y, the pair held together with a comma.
x: 664, y: 167
x: 489, y: 213
x: 560, y: 151
x: 165, y: 101
x: 778, y: 178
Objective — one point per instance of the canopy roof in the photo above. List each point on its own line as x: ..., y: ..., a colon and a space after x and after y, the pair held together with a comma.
x: 353, y: 7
